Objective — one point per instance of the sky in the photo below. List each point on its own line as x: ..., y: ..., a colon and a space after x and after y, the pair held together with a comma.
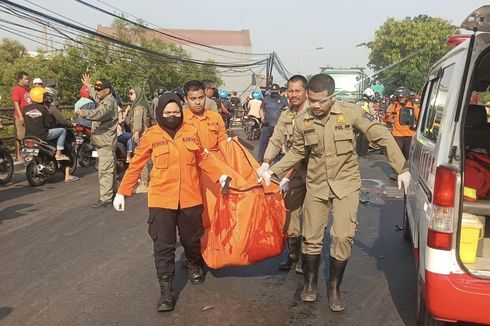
x: 293, y: 29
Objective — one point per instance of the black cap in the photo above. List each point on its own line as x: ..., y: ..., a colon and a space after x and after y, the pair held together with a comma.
x: 275, y: 88
x: 102, y: 84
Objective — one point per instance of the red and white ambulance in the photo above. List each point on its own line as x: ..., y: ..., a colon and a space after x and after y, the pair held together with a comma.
x: 447, y: 222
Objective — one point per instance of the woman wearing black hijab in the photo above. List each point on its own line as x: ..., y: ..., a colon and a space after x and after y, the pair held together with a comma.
x: 174, y: 195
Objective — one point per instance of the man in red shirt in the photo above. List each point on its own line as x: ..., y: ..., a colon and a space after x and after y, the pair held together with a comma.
x: 20, y: 99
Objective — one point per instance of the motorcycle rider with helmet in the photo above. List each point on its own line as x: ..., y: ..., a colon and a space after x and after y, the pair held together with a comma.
x: 225, y: 107
x: 41, y: 124
x: 255, y: 103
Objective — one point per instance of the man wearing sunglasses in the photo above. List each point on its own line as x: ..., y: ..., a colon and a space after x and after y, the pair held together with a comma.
x: 323, y: 134
x: 104, y: 125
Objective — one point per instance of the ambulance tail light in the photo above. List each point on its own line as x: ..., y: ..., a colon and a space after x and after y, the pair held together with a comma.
x: 441, y: 221
x: 455, y: 40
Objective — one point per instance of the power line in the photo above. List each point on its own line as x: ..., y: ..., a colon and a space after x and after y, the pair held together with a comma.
x: 175, y: 33
x: 129, y: 45
x: 160, y: 32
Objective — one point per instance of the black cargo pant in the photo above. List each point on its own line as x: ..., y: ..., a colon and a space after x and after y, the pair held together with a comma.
x: 162, y: 226
x: 404, y: 144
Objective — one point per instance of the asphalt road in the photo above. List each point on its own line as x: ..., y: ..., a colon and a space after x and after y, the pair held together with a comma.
x: 63, y: 263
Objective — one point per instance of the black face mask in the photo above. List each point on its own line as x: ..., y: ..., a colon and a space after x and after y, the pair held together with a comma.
x: 173, y: 122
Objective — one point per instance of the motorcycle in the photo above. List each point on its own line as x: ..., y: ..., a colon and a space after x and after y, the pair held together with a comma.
x: 40, y: 161
x: 252, y: 127
x: 6, y: 163
x: 84, y: 148
x: 121, y: 164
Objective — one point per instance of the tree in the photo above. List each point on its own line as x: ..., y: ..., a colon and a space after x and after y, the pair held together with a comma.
x: 403, y: 51
x: 124, y: 67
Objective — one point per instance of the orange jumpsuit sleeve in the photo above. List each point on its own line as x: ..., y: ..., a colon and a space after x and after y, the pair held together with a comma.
x: 389, y: 112
x: 416, y: 108
x: 142, y: 154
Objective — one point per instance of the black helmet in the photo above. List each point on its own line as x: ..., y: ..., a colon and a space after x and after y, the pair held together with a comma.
x: 161, y: 90
x: 275, y: 88
x: 402, y: 91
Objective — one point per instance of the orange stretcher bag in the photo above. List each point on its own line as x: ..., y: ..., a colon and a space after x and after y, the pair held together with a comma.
x: 245, y: 225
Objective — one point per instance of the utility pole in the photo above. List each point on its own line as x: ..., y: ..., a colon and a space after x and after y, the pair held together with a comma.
x: 268, y: 78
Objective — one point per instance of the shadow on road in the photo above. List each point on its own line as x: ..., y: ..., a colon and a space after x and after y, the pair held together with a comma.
x: 13, y: 192
x: 5, y: 311
x: 391, y: 251
x: 264, y: 268
x: 11, y: 212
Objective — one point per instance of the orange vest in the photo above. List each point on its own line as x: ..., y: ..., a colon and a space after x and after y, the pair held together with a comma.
x: 174, y: 179
x: 210, y: 127
x: 392, y: 115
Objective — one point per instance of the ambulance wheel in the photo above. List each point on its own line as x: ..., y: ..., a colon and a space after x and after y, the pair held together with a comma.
x: 424, y: 318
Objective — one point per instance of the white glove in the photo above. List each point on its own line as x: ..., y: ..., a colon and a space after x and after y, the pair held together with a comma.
x: 266, y: 176
x: 222, y: 180
x: 263, y: 168
x: 404, y: 179
x: 118, y: 203
x: 229, y: 139
x: 284, y: 185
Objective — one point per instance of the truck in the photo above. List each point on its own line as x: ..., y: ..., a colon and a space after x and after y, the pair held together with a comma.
x: 349, y: 82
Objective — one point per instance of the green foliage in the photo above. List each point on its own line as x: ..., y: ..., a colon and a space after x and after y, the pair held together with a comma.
x: 423, y: 38
x: 124, y: 67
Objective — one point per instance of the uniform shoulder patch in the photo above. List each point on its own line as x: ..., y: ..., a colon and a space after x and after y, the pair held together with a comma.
x: 308, y: 122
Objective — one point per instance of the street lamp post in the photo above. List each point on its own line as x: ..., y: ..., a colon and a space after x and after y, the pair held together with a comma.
x: 305, y: 50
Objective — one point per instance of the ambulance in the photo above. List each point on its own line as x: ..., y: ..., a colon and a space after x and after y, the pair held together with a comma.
x: 446, y: 220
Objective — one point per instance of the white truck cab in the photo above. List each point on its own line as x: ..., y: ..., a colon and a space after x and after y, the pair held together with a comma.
x: 451, y: 286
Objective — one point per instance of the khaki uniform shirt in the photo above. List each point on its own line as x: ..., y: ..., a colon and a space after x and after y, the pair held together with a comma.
x: 210, y: 104
x: 329, y: 144
x: 105, y: 120
x: 281, y: 139
x: 139, y: 119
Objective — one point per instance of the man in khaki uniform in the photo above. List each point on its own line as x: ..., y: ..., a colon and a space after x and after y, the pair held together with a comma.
x: 103, y: 137
x: 209, y: 102
x: 293, y: 183
x: 324, y: 134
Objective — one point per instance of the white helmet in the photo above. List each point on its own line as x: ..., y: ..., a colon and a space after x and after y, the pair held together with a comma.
x: 369, y: 94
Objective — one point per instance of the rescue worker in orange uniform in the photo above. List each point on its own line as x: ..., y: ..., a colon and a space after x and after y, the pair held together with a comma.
x: 403, y: 115
x: 211, y: 130
x: 174, y: 192
x: 210, y: 126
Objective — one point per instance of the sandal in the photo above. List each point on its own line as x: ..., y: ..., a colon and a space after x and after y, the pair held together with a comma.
x: 73, y: 178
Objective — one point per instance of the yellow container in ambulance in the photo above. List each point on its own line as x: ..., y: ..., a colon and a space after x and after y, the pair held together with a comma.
x: 471, y: 232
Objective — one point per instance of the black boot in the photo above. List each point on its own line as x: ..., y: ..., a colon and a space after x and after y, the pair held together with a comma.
x: 335, y: 299
x: 294, y: 244
x: 310, y: 273
x: 167, y: 295
x: 196, y: 275
x: 299, y: 265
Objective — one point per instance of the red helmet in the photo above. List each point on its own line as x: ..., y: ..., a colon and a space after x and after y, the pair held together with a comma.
x: 84, y: 92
